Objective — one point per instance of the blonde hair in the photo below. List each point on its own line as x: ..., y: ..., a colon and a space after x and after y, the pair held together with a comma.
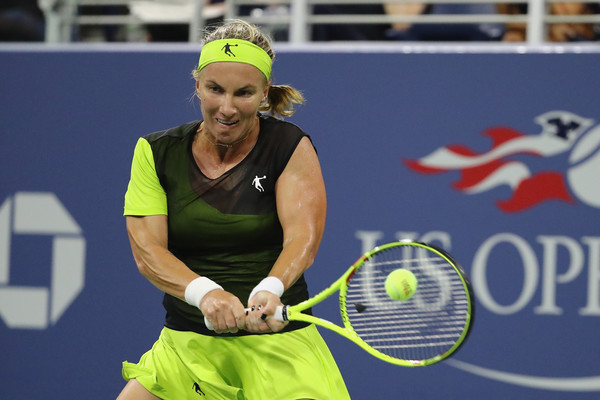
x: 281, y: 98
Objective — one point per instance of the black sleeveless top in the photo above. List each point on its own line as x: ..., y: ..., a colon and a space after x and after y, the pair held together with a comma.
x: 226, y: 228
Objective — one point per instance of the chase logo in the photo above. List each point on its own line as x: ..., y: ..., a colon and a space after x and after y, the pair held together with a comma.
x: 560, y: 163
x: 40, y: 213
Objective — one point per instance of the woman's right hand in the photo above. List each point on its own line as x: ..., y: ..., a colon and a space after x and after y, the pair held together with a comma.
x: 224, y: 311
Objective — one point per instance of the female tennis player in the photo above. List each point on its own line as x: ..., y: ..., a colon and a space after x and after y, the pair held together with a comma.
x: 225, y: 214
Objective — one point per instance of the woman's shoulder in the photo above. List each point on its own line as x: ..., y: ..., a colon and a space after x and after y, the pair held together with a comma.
x: 272, y: 126
x: 280, y: 138
x: 177, y: 133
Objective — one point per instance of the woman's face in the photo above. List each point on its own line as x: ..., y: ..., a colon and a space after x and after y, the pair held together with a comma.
x: 230, y: 94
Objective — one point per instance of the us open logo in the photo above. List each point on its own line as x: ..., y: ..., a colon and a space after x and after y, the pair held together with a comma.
x: 40, y: 213
x: 569, y: 142
x: 548, y: 307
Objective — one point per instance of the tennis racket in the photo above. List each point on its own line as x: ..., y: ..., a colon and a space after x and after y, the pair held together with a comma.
x: 422, y: 330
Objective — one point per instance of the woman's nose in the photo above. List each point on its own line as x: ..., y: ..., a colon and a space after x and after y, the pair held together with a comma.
x: 227, y: 105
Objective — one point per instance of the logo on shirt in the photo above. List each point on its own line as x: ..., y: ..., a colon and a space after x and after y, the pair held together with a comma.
x: 256, y: 183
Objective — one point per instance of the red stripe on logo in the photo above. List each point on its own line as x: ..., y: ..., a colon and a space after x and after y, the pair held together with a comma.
x: 532, y: 191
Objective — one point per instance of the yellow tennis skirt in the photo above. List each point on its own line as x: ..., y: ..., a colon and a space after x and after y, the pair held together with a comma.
x: 285, y: 366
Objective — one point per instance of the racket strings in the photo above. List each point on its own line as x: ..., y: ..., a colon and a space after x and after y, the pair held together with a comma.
x: 424, y: 327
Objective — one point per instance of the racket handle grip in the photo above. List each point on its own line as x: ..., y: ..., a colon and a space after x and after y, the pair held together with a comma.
x: 281, y: 314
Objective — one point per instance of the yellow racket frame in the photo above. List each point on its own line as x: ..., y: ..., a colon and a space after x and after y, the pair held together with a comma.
x: 294, y: 313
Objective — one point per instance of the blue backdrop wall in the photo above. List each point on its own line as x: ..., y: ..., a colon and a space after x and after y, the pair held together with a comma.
x: 492, y: 155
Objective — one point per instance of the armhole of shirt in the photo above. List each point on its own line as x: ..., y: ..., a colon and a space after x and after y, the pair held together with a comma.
x: 289, y: 142
x: 145, y: 195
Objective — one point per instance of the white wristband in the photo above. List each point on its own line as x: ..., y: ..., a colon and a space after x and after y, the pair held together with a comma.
x: 269, y: 284
x: 198, y: 288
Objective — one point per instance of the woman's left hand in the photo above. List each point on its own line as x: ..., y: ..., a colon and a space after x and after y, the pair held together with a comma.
x: 260, y: 317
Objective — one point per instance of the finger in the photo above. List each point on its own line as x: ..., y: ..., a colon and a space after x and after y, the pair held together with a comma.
x: 254, y: 323
x: 240, y: 320
x: 254, y: 318
x: 274, y: 325
x: 229, y: 326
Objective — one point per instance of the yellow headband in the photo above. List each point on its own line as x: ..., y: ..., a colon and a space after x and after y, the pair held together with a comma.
x: 236, y: 50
